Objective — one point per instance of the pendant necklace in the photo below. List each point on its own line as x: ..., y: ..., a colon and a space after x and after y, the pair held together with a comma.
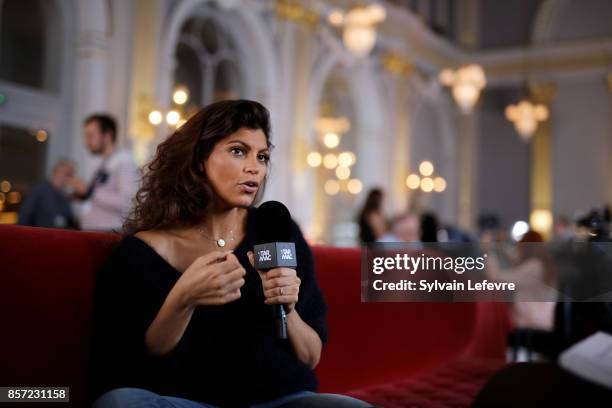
x: 220, y: 241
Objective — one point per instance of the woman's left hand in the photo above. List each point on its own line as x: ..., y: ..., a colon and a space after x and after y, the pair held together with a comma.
x: 280, y: 285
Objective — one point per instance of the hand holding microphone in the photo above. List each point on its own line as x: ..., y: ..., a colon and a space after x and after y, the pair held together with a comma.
x: 281, y: 286
x: 274, y: 258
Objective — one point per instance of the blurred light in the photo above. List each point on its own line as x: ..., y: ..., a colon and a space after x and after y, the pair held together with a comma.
x: 155, y: 117
x: 358, y: 39
x: 346, y: 159
x: 314, y: 159
x: 466, y: 84
x: 181, y: 123
x: 377, y: 13
x: 1, y: 206
x: 354, y: 186
x: 447, y: 77
x: 2, y: 197
x: 525, y: 116
x: 331, y: 124
x: 331, y: 140
x: 359, y: 34
x: 519, y: 229
x: 173, y: 117
x: 427, y: 184
x: 181, y: 95
x: 41, y: 135
x: 426, y: 168
x: 5, y: 186
x: 332, y: 187
x: 14, y: 197
x: 336, y: 18
x: 330, y: 161
x: 413, y: 181
x: 343, y: 173
x: 439, y: 184
x: 9, y: 218
x: 541, y: 221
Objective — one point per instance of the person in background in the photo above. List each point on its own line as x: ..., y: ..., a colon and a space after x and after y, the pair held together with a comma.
x: 107, y: 198
x: 534, y: 274
x: 535, y: 277
x: 372, y: 224
x: 563, y: 230
x: 405, y: 227
x: 429, y: 228
x: 47, y: 204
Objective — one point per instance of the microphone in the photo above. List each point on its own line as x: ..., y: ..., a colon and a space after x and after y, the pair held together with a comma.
x: 273, y: 249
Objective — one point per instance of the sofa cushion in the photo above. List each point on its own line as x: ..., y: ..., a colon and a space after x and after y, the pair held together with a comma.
x: 452, y: 385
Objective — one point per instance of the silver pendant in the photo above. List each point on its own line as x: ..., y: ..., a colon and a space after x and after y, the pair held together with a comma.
x: 221, y: 242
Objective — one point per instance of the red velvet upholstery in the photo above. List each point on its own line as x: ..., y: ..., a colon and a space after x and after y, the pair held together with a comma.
x: 375, y: 350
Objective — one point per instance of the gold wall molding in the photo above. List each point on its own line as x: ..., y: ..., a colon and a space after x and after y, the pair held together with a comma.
x: 541, y: 188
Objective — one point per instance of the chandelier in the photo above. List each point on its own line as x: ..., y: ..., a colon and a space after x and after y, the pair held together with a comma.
x: 330, y: 129
x: 526, y: 116
x: 425, y: 180
x: 466, y: 83
x: 175, y: 117
x: 359, y: 27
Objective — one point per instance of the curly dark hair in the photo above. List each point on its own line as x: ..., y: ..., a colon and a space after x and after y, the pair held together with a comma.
x: 175, y: 190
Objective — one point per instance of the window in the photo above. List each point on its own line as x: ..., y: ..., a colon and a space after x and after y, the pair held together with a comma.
x: 207, y: 63
x: 19, y: 146
x: 30, y: 43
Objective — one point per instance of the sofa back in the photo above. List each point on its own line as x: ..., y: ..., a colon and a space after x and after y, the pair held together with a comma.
x: 47, y: 287
x: 46, y: 298
x: 373, y: 343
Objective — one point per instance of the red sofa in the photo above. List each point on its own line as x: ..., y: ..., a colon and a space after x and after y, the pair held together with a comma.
x: 391, y: 354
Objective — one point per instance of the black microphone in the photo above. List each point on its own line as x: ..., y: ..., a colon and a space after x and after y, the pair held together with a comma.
x: 273, y: 249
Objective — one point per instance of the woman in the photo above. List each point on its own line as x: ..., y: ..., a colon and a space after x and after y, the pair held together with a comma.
x: 372, y: 224
x: 534, y: 276
x: 182, y: 318
x: 533, y: 309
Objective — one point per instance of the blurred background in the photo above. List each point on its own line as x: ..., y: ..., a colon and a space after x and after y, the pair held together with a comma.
x: 464, y: 114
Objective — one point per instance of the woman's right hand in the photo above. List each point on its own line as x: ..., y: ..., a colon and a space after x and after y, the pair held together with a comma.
x: 212, y: 279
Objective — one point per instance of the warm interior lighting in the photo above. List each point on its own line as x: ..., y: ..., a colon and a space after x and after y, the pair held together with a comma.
x: 331, y: 140
x: 413, y: 181
x: 5, y: 186
x: 180, y: 95
x: 466, y: 83
x: 330, y: 161
x: 359, y: 34
x: 439, y: 184
x: 14, y: 197
x: 41, y: 135
x: 346, y: 159
x: 525, y: 116
x: 332, y: 187
x: 343, y: 173
x: 541, y: 221
x: 426, y: 168
x: 354, y: 186
x: 155, y: 117
x: 314, y: 159
x: 427, y: 184
x: 173, y: 118
x: 336, y: 18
